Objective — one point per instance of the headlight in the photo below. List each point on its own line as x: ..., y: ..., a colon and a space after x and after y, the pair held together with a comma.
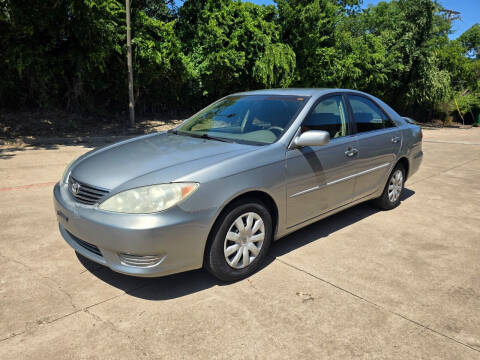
x: 66, y: 172
x: 149, y: 199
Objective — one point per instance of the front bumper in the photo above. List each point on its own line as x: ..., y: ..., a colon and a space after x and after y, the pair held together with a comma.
x: 174, y: 237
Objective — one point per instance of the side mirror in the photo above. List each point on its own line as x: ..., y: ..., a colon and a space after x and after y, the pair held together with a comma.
x: 312, y: 138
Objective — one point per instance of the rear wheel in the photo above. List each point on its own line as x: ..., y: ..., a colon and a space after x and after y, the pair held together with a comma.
x: 393, y: 189
x: 239, y: 241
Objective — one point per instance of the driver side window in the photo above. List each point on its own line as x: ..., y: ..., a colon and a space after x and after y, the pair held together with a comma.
x: 328, y: 115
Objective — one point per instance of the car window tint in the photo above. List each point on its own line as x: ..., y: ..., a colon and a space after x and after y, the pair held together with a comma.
x: 367, y: 115
x: 328, y: 115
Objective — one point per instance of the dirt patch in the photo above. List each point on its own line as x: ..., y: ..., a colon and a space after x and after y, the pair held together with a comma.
x: 42, y: 124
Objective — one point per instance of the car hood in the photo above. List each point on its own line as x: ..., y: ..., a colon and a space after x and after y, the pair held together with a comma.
x: 111, y: 166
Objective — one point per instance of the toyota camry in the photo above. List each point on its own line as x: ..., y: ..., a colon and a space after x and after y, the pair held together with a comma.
x: 215, y: 191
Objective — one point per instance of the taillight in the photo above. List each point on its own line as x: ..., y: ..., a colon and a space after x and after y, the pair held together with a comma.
x: 421, y: 134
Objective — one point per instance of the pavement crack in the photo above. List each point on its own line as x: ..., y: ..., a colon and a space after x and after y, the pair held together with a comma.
x: 450, y: 142
x: 77, y: 310
x: 424, y: 327
x: 52, y: 284
x: 11, y: 336
x: 112, y: 326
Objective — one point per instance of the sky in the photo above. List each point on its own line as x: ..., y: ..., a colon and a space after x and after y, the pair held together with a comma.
x: 469, y: 9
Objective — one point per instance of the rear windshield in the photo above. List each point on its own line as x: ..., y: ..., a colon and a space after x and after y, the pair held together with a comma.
x: 256, y: 119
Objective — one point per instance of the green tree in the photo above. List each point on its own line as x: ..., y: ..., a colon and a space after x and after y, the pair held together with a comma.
x: 460, y: 59
x: 70, y: 54
x: 308, y: 26
x: 390, y: 50
x: 470, y: 39
x: 161, y: 69
x: 55, y: 53
x: 234, y: 46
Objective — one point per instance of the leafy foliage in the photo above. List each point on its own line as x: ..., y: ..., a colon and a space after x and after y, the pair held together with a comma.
x: 70, y: 54
x: 470, y: 40
x: 234, y: 46
x: 58, y: 53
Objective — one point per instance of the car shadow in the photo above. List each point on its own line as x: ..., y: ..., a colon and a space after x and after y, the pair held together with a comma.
x: 178, y: 285
x: 327, y: 226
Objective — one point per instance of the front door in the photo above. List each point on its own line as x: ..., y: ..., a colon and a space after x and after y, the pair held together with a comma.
x: 319, y: 177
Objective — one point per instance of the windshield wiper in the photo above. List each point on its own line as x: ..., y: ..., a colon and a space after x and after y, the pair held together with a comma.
x: 201, y: 136
x: 208, y: 137
x: 227, y: 115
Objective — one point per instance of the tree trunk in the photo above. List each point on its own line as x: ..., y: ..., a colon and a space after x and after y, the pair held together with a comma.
x: 131, y: 102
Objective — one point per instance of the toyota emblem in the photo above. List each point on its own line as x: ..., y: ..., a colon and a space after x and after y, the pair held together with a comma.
x: 75, y: 188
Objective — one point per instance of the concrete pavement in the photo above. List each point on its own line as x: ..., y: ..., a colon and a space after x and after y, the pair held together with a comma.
x: 401, y: 284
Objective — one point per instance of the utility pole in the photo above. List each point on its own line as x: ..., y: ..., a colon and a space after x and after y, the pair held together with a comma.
x: 131, y: 100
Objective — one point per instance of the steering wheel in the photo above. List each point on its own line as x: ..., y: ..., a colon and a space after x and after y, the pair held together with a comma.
x: 277, y: 130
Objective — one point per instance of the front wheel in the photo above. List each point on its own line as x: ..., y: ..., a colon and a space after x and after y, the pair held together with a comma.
x: 393, y: 189
x: 239, y: 241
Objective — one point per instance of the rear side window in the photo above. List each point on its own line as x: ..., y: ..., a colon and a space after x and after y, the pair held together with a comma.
x: 367, y: 115
x: 328, y: 115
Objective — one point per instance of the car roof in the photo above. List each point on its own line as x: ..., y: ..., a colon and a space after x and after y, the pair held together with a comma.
x: 296, y: 91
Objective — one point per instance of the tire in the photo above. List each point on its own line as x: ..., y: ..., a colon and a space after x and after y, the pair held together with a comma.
x: 224, y: 257
x: 390, y: 198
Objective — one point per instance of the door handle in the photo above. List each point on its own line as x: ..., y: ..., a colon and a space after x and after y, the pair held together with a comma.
x: 351, y: 152
x: 395, y: 139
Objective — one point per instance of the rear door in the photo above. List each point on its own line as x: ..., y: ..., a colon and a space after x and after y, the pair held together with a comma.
x: 379, y: 142
x: 319, y: 177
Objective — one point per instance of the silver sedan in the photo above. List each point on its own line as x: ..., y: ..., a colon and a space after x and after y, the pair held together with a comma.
x: 247, y: 170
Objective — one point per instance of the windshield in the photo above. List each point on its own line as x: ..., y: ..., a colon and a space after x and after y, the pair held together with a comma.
x: 258, y: 119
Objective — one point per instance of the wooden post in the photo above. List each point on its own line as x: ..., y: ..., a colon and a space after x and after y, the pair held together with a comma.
x: 458, y: 109
x: 131, y: 102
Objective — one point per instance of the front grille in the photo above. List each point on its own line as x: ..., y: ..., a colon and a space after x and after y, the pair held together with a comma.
x: 87, y: 246
x: 85, y: 194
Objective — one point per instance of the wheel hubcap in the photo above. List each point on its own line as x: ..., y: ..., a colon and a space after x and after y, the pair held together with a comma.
x: 244, y: 240
x: 395, y: 186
